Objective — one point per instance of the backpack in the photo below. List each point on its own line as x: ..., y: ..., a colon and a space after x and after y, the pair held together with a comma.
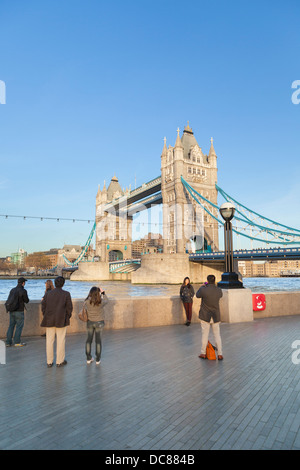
x: 210, y: 352
x: 12, y: 303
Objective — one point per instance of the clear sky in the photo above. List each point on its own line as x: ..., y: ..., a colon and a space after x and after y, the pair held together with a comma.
x: 93, y: 87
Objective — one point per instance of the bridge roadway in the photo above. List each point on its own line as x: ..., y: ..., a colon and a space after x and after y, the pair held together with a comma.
x: 257, y: 254
x: 137, y: 200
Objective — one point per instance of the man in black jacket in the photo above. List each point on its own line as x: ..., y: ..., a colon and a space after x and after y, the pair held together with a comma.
x: 57, y: 310
x: 16, y: 316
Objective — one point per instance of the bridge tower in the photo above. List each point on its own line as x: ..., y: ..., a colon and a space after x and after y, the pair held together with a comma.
x: 114, y: 231
x: 183, y: 219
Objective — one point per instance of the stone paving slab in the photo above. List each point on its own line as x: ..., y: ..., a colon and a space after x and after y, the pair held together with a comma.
x: 152, y: 392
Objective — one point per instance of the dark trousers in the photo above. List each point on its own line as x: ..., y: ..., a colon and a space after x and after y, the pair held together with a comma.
x: 188, y: 310
x: 94, y: 327
x: 16, y: 323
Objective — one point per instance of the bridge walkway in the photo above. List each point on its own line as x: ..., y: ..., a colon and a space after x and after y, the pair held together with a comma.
x: 152, y: 392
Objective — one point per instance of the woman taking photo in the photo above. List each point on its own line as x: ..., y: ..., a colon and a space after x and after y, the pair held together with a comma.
x: 186, y: 294
x: 94, y: 304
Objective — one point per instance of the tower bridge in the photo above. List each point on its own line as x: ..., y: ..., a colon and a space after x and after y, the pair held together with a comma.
x: 187, y: 193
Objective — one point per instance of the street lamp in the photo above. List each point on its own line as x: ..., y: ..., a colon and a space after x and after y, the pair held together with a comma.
x: 229, y: 277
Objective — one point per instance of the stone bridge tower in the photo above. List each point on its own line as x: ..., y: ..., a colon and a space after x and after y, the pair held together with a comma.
x: 113, y: 230
x: 185, y: 224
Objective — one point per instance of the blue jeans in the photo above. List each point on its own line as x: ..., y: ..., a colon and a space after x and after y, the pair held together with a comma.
x: 16, y: 320
x: 94, y: 327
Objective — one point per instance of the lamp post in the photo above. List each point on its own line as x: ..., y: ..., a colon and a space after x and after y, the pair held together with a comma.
x: 229, y: 277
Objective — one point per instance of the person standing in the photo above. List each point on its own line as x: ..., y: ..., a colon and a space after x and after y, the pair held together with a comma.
x: 209, y: 314
x: 186, y: 294
x: 48, y: 286
x: 57, y: 310
x: 15, y: 305
x: 94, y: 304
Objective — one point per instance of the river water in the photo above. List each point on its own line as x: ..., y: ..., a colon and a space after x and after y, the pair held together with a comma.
x: 80, y: 289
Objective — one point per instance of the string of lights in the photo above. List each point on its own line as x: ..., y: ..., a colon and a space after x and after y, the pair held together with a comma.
x: 60, y: 219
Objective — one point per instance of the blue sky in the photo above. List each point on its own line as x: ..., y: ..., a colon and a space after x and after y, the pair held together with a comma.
x: 93, y: 87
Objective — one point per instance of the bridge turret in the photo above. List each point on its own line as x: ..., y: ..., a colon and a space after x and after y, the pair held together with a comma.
x: 104, y: 193
x: 98, y: 197
x: 114, y: 189
x: 164, y: 150
x: 212, y: 157
x: 101, y: 195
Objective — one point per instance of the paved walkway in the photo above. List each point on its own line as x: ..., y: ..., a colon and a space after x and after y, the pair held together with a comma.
x: 152, y: 392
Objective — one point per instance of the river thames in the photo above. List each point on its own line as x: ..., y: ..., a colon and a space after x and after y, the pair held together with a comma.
x: 80, y: 289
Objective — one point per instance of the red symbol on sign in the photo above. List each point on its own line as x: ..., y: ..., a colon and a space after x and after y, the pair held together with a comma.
x: 259, y: 302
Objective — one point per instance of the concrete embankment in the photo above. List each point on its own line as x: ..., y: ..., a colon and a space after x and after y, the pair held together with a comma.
x: 137, y: 312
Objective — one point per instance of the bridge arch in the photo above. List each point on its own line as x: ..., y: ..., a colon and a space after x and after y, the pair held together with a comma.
x: 115, y: 255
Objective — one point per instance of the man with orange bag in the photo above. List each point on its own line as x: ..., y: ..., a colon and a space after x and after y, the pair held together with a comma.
x: 209, y: 314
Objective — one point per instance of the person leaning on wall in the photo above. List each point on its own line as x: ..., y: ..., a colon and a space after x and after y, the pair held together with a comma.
x: 186, y: 294
x: 19, y: 297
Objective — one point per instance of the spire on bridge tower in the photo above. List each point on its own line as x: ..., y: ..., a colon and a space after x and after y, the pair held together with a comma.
x: 212, y: 150
x: 178, y: 143
x: 188, y: 128
x: 212, y: 157
x: 164, y: 150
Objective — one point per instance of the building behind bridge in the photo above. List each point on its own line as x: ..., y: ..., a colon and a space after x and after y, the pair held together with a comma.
x: 269, y: 268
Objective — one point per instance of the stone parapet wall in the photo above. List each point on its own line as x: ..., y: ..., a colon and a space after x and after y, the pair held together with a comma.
x: 137, y: 312
x: 279, y: 304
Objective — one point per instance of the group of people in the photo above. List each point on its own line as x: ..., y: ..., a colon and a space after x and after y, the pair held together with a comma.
x: 209, y: 314
x: 57, y: 310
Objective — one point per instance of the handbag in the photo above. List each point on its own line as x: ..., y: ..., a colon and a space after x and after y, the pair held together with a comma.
x: 210, y: 352
x: 83, y: 315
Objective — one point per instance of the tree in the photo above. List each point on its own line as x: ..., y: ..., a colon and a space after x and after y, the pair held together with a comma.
x: 37, y: 261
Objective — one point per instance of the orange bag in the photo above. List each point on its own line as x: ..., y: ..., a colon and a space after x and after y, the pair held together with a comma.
x: 210, y: 352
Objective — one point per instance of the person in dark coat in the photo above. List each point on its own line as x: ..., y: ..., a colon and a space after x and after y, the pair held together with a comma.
x: 209, y: 313
x: 186, y: 294
x: 16, y: 317
x: 48, y: 286
x: 57, y: 310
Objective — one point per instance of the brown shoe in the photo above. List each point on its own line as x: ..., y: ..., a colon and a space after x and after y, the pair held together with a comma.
x: 220, y: 358
x: 202, y: 356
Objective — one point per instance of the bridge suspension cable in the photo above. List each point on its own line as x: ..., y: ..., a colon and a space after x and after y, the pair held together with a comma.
x: 84, y: 250
x: 249, y: 221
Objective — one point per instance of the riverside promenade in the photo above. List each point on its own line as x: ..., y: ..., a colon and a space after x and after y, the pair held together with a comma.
x: 152, y: 392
